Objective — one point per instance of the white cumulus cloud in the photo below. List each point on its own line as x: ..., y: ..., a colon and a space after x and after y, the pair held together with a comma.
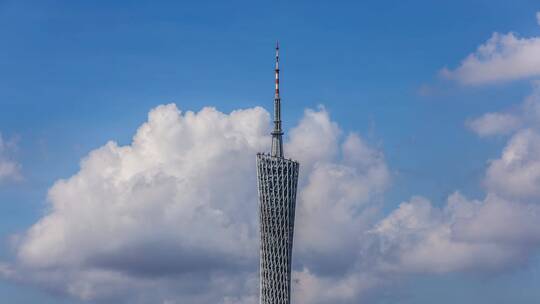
x: 172, y: 217
x: 524, y: 115
x: 464, y: 236
x: 516, y: 173
x: 494, y: 124
x: 496, y: 233
x: 503, y: 57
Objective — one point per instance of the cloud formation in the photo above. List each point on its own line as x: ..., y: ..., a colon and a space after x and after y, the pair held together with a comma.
x: 173, y: 206
x: 465, y: 235
x: 522, y: 116
x: 9, y: 168
x: 496, y: 233
x: 503, y: 57
x: 172, y: 217
x: 491, y: 124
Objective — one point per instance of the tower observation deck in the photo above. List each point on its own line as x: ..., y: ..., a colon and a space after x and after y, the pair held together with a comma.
x: 277, y: 179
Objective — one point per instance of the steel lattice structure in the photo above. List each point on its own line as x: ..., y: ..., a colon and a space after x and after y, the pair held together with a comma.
x: 277, y: 179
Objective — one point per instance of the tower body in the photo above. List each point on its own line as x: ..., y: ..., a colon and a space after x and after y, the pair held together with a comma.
x: 277, y: 179
x: 277, y: 182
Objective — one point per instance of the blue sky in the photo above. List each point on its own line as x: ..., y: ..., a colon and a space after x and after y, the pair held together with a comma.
x: 74, y: 75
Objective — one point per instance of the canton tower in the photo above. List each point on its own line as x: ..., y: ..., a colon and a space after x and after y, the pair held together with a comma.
x: 277, y: 178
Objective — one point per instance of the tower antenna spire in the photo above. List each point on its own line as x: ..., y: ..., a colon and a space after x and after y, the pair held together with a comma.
x: 277, y: 133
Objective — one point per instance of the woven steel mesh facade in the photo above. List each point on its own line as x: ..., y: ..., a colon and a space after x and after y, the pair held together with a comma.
x: 277, y: 179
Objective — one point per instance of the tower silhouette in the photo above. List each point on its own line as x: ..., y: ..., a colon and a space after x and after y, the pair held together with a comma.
x: 277, y: 179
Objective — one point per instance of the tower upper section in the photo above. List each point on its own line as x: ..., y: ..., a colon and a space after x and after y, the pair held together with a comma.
x: 277, y: 133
